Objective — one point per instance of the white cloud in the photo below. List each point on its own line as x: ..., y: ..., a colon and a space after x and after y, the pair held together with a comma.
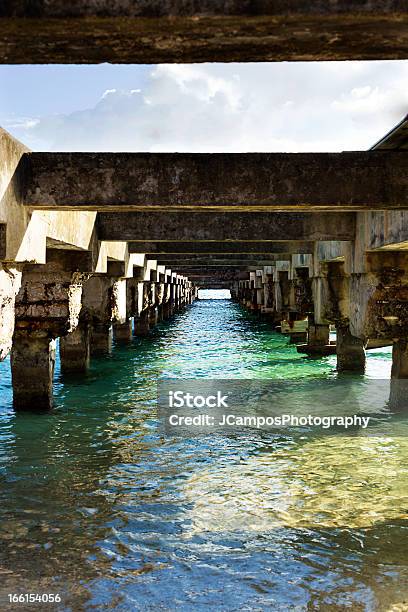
x: 237, y: 107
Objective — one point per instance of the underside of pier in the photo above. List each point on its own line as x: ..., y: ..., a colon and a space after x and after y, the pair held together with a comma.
x: 95, y: 242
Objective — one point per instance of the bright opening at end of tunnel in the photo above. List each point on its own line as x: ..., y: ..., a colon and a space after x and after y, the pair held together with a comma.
x: 214, y: 294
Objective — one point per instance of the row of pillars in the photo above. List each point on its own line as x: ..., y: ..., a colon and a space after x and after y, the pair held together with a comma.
x: 286, y: 295
x: 83, y: 312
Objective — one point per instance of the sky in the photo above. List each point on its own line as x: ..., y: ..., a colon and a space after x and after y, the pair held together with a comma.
x: 293, y: 107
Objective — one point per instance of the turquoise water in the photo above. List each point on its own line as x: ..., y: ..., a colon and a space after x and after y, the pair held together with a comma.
x: 98, y: 506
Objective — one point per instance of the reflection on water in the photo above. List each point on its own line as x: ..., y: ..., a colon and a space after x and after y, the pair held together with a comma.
x: 95, y: 504
x: 311, y: 485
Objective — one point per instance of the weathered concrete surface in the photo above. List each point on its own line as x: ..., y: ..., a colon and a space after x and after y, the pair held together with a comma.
x: 185, y: 266
x: 25, y: 235
x: 32, y: 369
x: 122, y: 332
x: 104, y: 302
x: 75, y: 350
x: 47, y: 306
x: 12, y: 214
x: 174, y: 261
x: 196, y: 247
x: 318, y: 335
x: 153, y: 31
x: 387, y: 230
x: 215, y: 275
x: 384, y: 296
x: 350, y: 351
x: 222, y: 226
x: 258, y: 181
x: 48, y: 300
x: 400, y: 361
x: 10, y: 283
x: 142, y: 324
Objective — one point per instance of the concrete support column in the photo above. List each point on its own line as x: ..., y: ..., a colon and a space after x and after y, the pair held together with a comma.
x: 142, y: 325
x: 47, y: 306
x: 399, y: 359
x: 153, y: 316
x: 398, y: 400
x: 101, y: 338
x: 75, y: 350
x: 350, y: 351
x: 104, y: 302
x: 318, y: 335
x: 32, y: 368
x: 122, y: 332
x: 168, y: 310
x: 176, y: 298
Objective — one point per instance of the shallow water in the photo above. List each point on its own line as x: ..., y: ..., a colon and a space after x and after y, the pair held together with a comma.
x: 98, y: 506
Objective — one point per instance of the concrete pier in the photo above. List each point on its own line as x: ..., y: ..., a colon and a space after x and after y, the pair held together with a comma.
x: 80, y: 258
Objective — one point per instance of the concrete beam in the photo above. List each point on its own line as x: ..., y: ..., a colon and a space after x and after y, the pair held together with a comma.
x: 156, y: 31
x: 26, y: 235
x: 237, y: 262
x: 213, y: 272
x: 186, y: 248
x: 223, y: 226
x: 235, y: 181
x: 215, y: 257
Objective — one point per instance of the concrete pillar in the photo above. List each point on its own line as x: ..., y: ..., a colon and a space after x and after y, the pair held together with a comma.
x: 104, y: 302
x: 10, y: 282
x: 399, y: 359
x: 142, y: 326
x: 47, y: 307
x: 101, y: 338
x: 122, y: 332
x: 75, y: 350
x: 318, y: 334
x: 167, y: 310
x: 153, y: 316
x: 350, y: 351
x: 32, y: 369
x: 398, y: 399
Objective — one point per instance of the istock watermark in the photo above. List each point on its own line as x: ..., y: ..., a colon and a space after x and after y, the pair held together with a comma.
x: 202, y: 407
